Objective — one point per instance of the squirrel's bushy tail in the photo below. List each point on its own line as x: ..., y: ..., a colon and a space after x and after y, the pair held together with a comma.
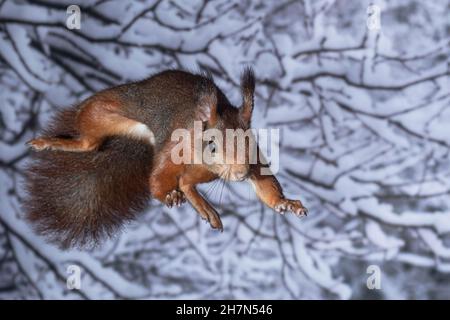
x: 76, y: 199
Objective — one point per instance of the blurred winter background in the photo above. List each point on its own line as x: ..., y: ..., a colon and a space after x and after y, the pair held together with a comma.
x: 365, y: 123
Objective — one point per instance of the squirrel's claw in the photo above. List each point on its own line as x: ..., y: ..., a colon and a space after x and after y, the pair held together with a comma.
x: 216, y: 223
x: 175, y: 198
x: 38, y: 144
x: 295, y: 206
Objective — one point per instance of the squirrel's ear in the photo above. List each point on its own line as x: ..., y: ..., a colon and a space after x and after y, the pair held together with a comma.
x: 207, y: 103
x: 248, y: 91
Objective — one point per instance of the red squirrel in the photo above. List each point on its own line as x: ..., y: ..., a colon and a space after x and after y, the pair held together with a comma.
x: 99, y: 162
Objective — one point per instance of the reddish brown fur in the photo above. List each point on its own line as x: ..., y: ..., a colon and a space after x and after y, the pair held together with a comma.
x: 96, y: 119
x: 77, y: 199
x: 95, y: 178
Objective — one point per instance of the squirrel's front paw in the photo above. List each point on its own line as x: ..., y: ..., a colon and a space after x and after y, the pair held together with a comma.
x: 295, y: 206
x: 175, y: 198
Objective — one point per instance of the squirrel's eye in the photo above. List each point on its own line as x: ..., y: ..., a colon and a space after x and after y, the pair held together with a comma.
x: 212, y: 146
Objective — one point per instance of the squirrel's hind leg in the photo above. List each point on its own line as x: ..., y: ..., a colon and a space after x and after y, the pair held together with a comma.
x: 79, y: 145
x: 97, y: 119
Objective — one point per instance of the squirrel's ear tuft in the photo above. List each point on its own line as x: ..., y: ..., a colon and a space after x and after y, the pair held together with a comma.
x: 248, y: 91
x: 207, y: 102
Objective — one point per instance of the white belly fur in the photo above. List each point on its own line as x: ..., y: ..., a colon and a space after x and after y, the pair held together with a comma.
x: 141, y: 131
